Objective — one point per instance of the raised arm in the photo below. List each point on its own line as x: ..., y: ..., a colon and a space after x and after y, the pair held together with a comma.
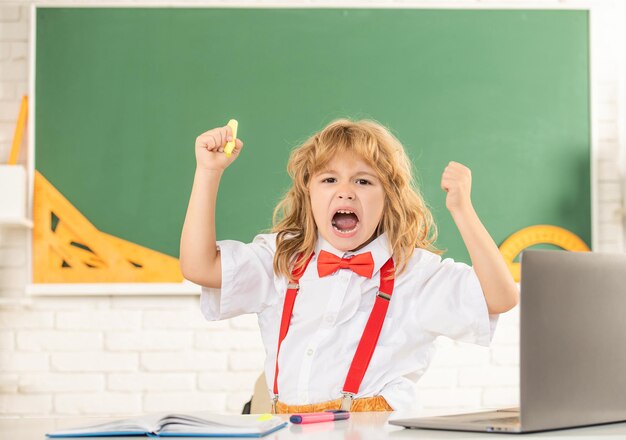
x: 501, y: 293
x: 200, y: 260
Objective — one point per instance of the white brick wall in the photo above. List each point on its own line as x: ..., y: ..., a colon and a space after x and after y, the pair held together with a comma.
x: 110, y: 355
x: 129, y: 354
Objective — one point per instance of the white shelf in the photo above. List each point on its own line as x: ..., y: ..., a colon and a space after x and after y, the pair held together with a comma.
x: 106, y: 289
x: 9, y: 221
x: 15, y: 301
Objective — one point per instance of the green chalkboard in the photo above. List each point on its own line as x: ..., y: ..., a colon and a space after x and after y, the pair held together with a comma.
x: 122, y: 93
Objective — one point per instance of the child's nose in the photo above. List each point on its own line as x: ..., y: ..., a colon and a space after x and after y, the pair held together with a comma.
x: 346, y: 194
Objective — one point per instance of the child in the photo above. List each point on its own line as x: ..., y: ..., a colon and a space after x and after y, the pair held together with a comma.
x: 350, y: 293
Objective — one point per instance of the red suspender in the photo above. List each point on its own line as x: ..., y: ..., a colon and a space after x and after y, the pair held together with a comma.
x: 367, y: 344
x: 290, y: 299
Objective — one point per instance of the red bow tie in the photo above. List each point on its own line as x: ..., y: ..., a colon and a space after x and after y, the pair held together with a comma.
x: 362, y: 264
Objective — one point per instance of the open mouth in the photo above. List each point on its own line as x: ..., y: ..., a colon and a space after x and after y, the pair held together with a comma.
x: 345, y: 221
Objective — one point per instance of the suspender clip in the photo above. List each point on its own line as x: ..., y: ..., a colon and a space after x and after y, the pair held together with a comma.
x: 383, y: 295
x: 346, y: 400
x: 274, y: 400
x: 293, y: 286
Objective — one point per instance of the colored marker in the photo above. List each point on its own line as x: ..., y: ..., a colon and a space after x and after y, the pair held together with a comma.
x: 230, y: 146
x: 326, y: 416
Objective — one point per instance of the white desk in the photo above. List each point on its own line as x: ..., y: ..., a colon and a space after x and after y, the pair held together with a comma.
x: 361, y: 426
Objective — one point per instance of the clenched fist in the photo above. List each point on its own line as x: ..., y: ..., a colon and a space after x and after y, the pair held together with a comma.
x: 457, y: 182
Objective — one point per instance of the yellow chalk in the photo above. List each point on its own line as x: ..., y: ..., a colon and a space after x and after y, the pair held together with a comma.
x: 264, y: 417
x: 230, y: 146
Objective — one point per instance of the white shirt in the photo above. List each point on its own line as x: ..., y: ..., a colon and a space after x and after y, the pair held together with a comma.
x: 432, y: 297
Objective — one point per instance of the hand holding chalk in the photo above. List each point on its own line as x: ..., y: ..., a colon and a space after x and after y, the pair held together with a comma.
x: 211, y: 144
x: 233, y: 124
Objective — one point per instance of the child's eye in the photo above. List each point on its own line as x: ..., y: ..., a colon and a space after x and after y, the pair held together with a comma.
x: 329, y: 178
x: 363, y: 181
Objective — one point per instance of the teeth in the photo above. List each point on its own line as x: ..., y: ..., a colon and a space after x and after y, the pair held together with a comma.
x: 341, y: 211
x: 344, y: 232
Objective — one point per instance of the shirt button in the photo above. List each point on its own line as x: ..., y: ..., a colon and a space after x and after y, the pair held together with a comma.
x: 329, y: 318
x: 309, y: 352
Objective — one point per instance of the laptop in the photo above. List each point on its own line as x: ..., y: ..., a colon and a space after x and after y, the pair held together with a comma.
x: 572, y: 347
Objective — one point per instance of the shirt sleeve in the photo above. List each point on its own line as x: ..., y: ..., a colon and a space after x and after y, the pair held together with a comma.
x: 452, y: 304
x: 247, y: 279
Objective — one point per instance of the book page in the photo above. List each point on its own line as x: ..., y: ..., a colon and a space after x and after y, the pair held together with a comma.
x: 142, y: 424
x: 217, y: 423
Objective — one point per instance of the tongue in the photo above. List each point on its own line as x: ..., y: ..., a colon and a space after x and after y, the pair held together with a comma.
x: 345, y: 222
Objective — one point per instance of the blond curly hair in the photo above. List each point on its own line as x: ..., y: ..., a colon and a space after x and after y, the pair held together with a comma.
x: 406, y: 219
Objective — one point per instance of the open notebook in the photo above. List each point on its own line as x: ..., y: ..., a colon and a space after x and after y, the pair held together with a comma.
x: 181, y: 425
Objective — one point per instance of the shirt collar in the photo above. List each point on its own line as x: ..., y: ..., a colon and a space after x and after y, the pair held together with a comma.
x: 379, y: 247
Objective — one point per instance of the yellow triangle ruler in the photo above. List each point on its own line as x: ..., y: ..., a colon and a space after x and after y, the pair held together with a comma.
x: 20, y: 127
x: 68, y: 248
